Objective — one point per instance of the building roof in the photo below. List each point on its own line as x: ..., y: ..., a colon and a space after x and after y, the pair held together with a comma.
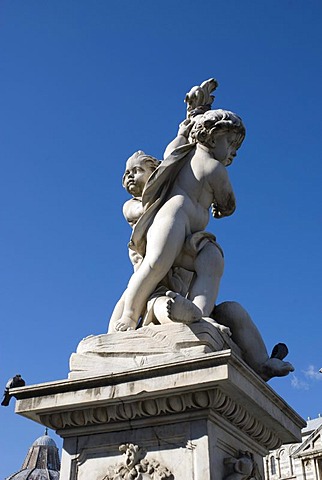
x: 45, y: 441
x: 41, y: 463
x: 312, y: 424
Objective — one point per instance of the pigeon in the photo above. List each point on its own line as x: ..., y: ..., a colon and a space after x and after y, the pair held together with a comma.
x: 13, y: 382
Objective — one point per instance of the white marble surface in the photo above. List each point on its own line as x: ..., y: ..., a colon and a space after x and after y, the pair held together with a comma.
x: 189, y: 414
x: 152, y: 345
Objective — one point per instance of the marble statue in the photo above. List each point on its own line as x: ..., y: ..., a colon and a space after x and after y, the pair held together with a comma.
x: 177, y: 264
x: 163, y: 302
x: 176, y: 388
x: 176, y: 201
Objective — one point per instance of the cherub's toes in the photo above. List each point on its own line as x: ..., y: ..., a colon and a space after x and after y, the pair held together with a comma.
x: 120, y: 327
x: 168, y: 307
x: 290, y: 366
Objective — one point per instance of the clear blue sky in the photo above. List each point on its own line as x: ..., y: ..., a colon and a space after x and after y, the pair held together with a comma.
x: 84, y: 84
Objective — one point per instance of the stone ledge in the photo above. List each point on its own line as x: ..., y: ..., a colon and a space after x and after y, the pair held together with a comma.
x: 218, y: 382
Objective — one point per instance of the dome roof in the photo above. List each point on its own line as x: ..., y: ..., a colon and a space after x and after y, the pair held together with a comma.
x: 45, y: 441
x: 35, y: 474
x: 41, y: 463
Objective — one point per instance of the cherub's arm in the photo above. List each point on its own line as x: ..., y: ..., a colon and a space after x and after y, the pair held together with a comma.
x: 198, y: 101
x: 224, y: 202
x: 181, y: 138
x: 132, y: 210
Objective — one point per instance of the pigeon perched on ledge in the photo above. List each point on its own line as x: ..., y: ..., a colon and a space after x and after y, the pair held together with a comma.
x: 13, y: 382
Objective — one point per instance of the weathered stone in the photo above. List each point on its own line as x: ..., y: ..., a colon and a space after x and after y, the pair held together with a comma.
x: 160, y: 344
x: 189, y: 415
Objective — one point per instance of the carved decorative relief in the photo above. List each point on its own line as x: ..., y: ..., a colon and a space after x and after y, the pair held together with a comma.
x: 243, y: 467
x: 214, y: 400
x: 136, y: 467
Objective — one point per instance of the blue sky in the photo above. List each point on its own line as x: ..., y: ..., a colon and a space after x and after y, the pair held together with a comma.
x: 84, y: 84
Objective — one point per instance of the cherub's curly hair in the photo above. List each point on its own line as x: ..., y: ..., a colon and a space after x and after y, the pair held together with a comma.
x: 214, y: 121
x: 150, y: 161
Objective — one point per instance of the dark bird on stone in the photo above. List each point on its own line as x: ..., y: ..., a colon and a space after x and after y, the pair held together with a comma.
x: 13, y: 382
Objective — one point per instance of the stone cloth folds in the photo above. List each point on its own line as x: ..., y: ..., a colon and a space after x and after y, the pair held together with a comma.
x: 155, y: 194
x: 196, y: 241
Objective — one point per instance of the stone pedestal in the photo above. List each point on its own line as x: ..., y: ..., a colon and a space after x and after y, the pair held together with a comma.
x: 176, y: 409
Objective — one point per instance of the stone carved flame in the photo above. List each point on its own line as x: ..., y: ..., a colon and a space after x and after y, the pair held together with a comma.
x: 136, y: 467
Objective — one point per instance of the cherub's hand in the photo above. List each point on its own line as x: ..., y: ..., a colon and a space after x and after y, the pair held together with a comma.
x: 199, y: 110
x: 136, y: 259
x: 216, y: 213
x: 185, y: 127
x: 223, y: 211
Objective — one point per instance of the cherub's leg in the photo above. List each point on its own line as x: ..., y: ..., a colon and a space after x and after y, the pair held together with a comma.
x: 160, y: 309
x: 117, y: 313
x: 244, y: 332
x: 209, y: 267
x: 173, y: 307
x: 164, y: 242
x: 250, y: 341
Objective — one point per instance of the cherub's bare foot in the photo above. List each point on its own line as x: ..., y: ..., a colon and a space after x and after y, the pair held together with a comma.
x: 182, y: 310
x: 274, y: 367
x: 279, y: 351
x: 219, y: 326
x: 125, y: 324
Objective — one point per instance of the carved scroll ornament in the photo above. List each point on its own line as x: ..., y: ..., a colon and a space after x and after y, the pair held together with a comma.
x: 136, y: 467
x: 243, y: 467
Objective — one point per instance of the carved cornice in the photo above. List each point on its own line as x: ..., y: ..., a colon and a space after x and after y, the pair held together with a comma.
x: 214, y: 400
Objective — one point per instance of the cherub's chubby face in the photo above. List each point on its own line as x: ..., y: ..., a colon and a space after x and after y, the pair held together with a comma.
x: 135, y: 176
x: 225, y: 148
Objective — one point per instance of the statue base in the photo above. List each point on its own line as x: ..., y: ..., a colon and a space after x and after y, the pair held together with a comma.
x: 178, y: 410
